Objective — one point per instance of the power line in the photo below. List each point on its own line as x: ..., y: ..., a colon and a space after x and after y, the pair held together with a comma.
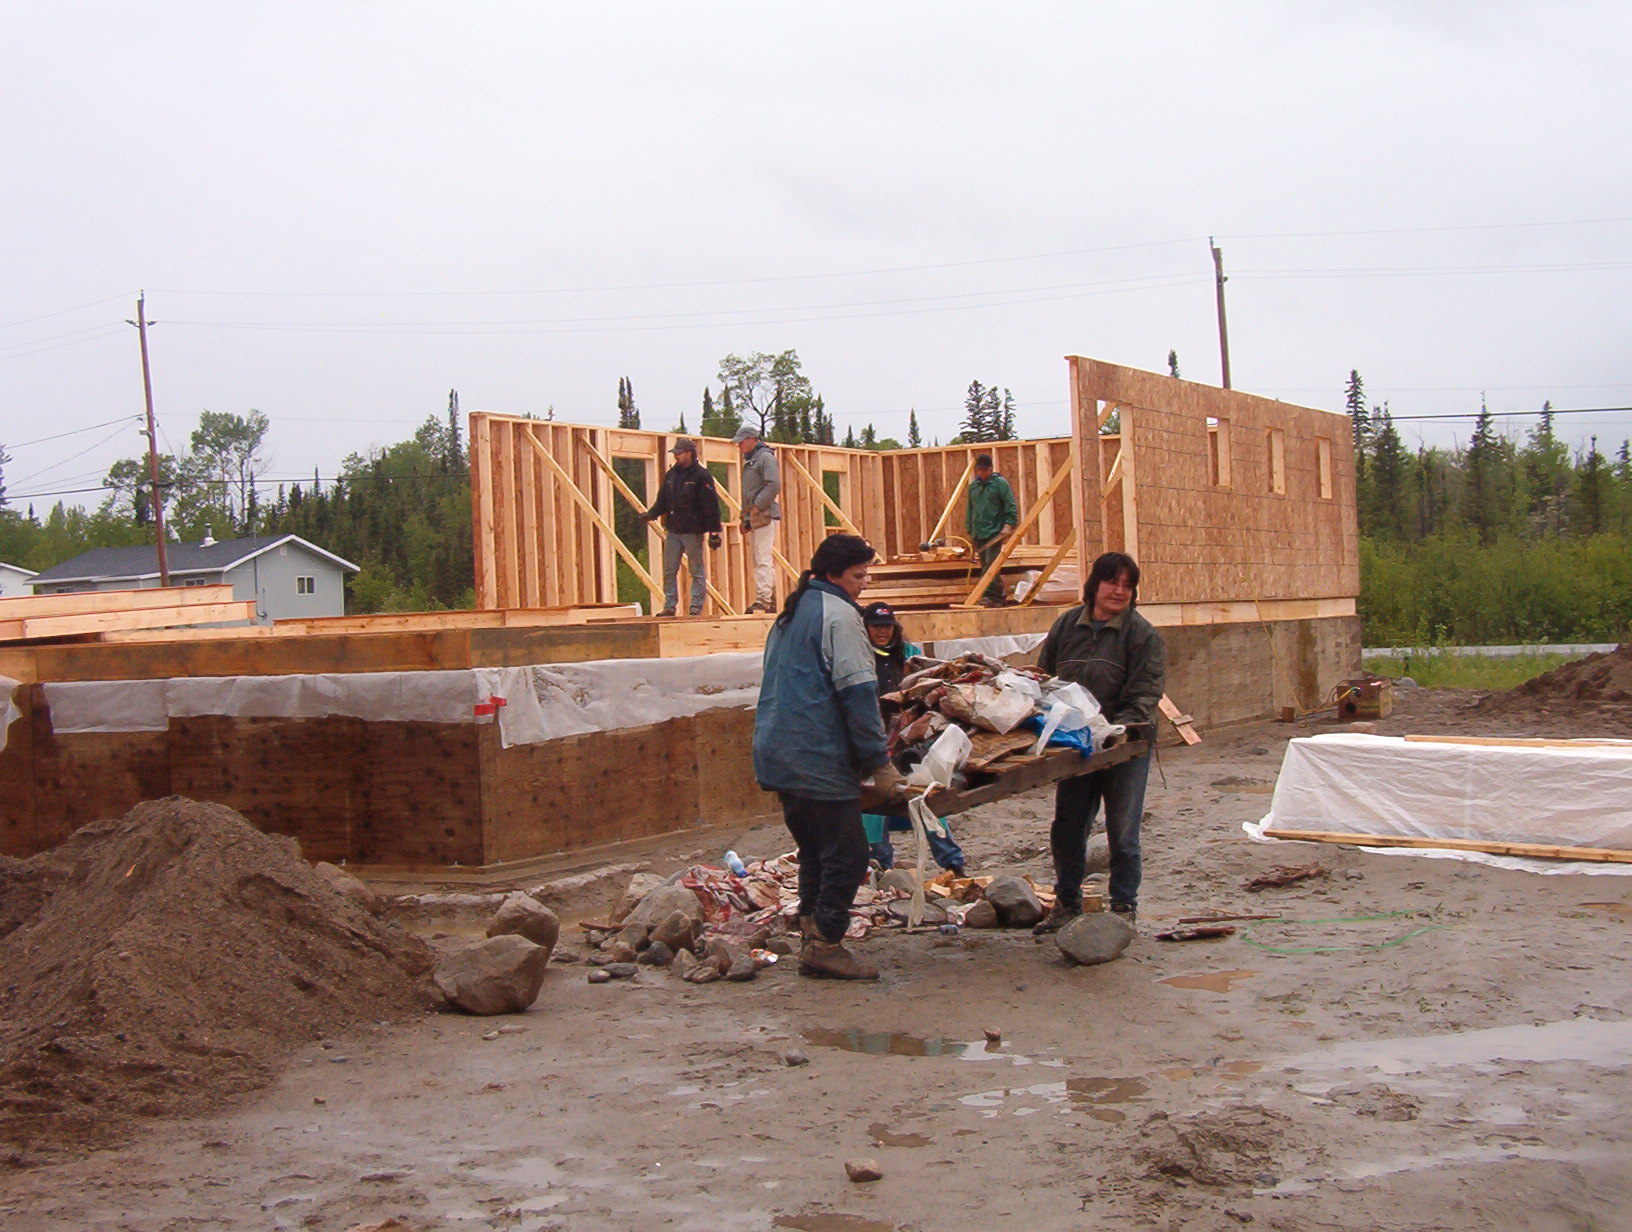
x: 73, y: 432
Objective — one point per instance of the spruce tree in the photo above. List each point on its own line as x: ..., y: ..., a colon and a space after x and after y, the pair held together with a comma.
x: 974, y: 414
x: 709, y: 424
x: 915, y: 439
x: 1172, y: 363
x: 628, y: 413
x: 1354, y: 398
x: 456, y: 441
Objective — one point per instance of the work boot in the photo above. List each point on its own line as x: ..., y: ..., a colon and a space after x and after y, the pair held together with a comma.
x: 830, y: 960
x: 1128, y: 911
x: 807, y: 928
x: 668, y: 611
x: 1057, y: 918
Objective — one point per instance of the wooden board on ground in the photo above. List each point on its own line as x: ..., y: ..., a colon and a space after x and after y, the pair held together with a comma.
x: 1540, y: 851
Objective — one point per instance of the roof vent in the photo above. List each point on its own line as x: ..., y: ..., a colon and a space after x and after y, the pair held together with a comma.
x: 208, y: 540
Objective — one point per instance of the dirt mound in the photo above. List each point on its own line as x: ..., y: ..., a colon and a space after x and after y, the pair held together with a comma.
x: 160, y: 963
x: 1599, y: 682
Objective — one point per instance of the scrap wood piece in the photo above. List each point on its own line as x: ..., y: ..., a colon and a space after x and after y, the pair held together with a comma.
x: 1215, y: 919
x: 1539, y: 851
x: 989, y: 747
x: 1285, y: 875
x: 1198, y: 933
x: 1181, y: 722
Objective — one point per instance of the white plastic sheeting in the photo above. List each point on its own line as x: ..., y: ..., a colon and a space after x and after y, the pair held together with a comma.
x: 998, y: 647
x: 539, y: 703
x: 8, y: 711
x: 1354, y: 783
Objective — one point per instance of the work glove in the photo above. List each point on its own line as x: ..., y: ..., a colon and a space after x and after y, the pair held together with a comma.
x: 884, y: 791
x: 714, y: 540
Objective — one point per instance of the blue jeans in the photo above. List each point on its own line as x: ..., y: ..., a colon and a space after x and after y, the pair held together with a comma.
x: 944, y: 848
x: 692, y: 548
x: 1076, y: 801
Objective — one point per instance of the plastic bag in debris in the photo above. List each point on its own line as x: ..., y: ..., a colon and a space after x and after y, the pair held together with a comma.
x: 1029, y: 685
x: 1069, y: 709
x: 1000, y: 709
x: 945, y: 757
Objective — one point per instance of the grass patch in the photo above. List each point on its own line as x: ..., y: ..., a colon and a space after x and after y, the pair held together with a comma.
x: 1441, y: 668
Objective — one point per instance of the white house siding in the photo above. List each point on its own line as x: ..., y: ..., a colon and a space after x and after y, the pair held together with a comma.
x: 271, y: 580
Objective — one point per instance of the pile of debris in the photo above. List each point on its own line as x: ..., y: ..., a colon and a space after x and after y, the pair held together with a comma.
x: 1007, y: 713
x: 1599, y: 684
x: 159, y: 963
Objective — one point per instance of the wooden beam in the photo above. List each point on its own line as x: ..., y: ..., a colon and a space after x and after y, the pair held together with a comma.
x: 951, y: 502
x: 1540, y: 851
x: 141, y: 618
x: 1181, y: 721
x: 1051, y: 767
x: 1026, y: 522
x: 1048, y: 569
x: 844, y: 518
x: 583, y: 502
x: 19, y: 607
x: 622, y: 489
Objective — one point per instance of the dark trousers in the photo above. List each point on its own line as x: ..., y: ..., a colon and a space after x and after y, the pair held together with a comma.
x: 987, y: 556
x: 1121, y: 789
x: 832, y: 858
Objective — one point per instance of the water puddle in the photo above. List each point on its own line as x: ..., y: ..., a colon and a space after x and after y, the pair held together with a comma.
x: 1209, y: 981
x: 881, y: 1134
x: 1095, y: 1096
x: 830, y: 1222
x: 1455, y: 1158
x: 1589, y: 1040
x: 1624, y: 910
x: 901, y: 1044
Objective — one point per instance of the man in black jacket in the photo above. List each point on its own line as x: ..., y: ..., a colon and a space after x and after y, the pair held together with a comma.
x: 690, y: 509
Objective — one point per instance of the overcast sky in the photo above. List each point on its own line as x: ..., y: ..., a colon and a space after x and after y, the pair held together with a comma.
x: 340, y: 211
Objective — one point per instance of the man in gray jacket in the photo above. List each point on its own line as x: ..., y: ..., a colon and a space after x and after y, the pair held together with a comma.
x: 761, y: 484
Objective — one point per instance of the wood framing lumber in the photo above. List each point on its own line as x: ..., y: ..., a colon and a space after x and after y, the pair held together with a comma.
x: 1181, y: 721
x: 1049, y: 768
x: 1540, y: 851
x: 1520, y: 742
x: 212, y: 633
x: 622, y: 489
x: 19, y: 607
x: 957, y: 492
x: 584, y: 503
x: 1026, y: 523
x: 137, y: 618
x: 832, y: 507
x: 1048, y: 569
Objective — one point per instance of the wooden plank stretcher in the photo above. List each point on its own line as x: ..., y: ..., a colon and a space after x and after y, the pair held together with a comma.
x: 1051, y: 767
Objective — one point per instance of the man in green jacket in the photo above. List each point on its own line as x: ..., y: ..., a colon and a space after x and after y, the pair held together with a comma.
x: 991, y: 517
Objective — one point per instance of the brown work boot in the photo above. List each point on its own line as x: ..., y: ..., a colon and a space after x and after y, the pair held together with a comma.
x: 1057, y: 918
x: 830, y: 960
x: 807, y: 928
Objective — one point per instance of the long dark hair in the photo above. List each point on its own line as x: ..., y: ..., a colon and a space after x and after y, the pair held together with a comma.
x: 834, y: 555
x: 1108, y: 568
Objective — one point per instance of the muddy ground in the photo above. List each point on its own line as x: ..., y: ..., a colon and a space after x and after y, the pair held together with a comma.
x: 1419, y: 1044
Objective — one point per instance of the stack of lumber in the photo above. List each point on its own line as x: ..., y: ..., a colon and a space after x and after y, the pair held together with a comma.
x: 93, y: 615
x: 916, y: 585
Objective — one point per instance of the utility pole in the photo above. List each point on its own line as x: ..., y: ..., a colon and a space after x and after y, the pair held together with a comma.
x: 141, y: 324
x: 1223, y: 331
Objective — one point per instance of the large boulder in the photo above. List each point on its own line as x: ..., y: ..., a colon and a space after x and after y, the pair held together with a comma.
x: 501, y: 975
x: 524, y: 916
x: 663, y: 902
x: 678, y: 931
x: 1014, y: 901
x: 1099, y: 853
x: 640, y: 885
x: 1096, y: 937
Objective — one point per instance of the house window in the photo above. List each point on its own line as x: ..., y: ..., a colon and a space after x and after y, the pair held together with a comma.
x: 305, y: 585
x: 1277, y: 461
x: 1323, y: 466
x: 1218, y: 452
x: 193, y: 582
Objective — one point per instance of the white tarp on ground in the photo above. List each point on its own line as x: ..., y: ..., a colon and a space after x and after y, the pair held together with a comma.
x: 1560, y: 795
x: 1000, y: 646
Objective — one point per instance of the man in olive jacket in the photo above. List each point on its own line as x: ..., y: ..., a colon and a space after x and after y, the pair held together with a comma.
x: 690, y: 509
x: 991, y: 516
x: 1106, y: 646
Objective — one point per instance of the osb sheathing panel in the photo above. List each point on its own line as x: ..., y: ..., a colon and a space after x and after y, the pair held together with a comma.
x: 1201, y: 542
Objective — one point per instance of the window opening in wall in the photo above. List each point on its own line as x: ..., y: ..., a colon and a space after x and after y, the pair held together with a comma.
x: 305, y: 585
x: 1323, y: 466
x: 630, y: 529
x: 1218, y: 451
x: 1277, y: 461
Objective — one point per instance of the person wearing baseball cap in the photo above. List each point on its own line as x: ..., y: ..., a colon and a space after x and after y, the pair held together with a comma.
x: 761, y: 483
x: 690, y: 509
x: 891, y: 650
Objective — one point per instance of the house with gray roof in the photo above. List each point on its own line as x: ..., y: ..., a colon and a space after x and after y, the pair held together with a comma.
x: 284, y: 574
x: 14, y: 580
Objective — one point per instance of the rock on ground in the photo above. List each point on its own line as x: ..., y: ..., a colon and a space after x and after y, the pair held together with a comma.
x: 501, y: 975
x: 661, y: 902
x: 524, y: 916
x: 1013, y: 900
x: 348, y: 886
x: 640, y: 885
x: 1096, y: 937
